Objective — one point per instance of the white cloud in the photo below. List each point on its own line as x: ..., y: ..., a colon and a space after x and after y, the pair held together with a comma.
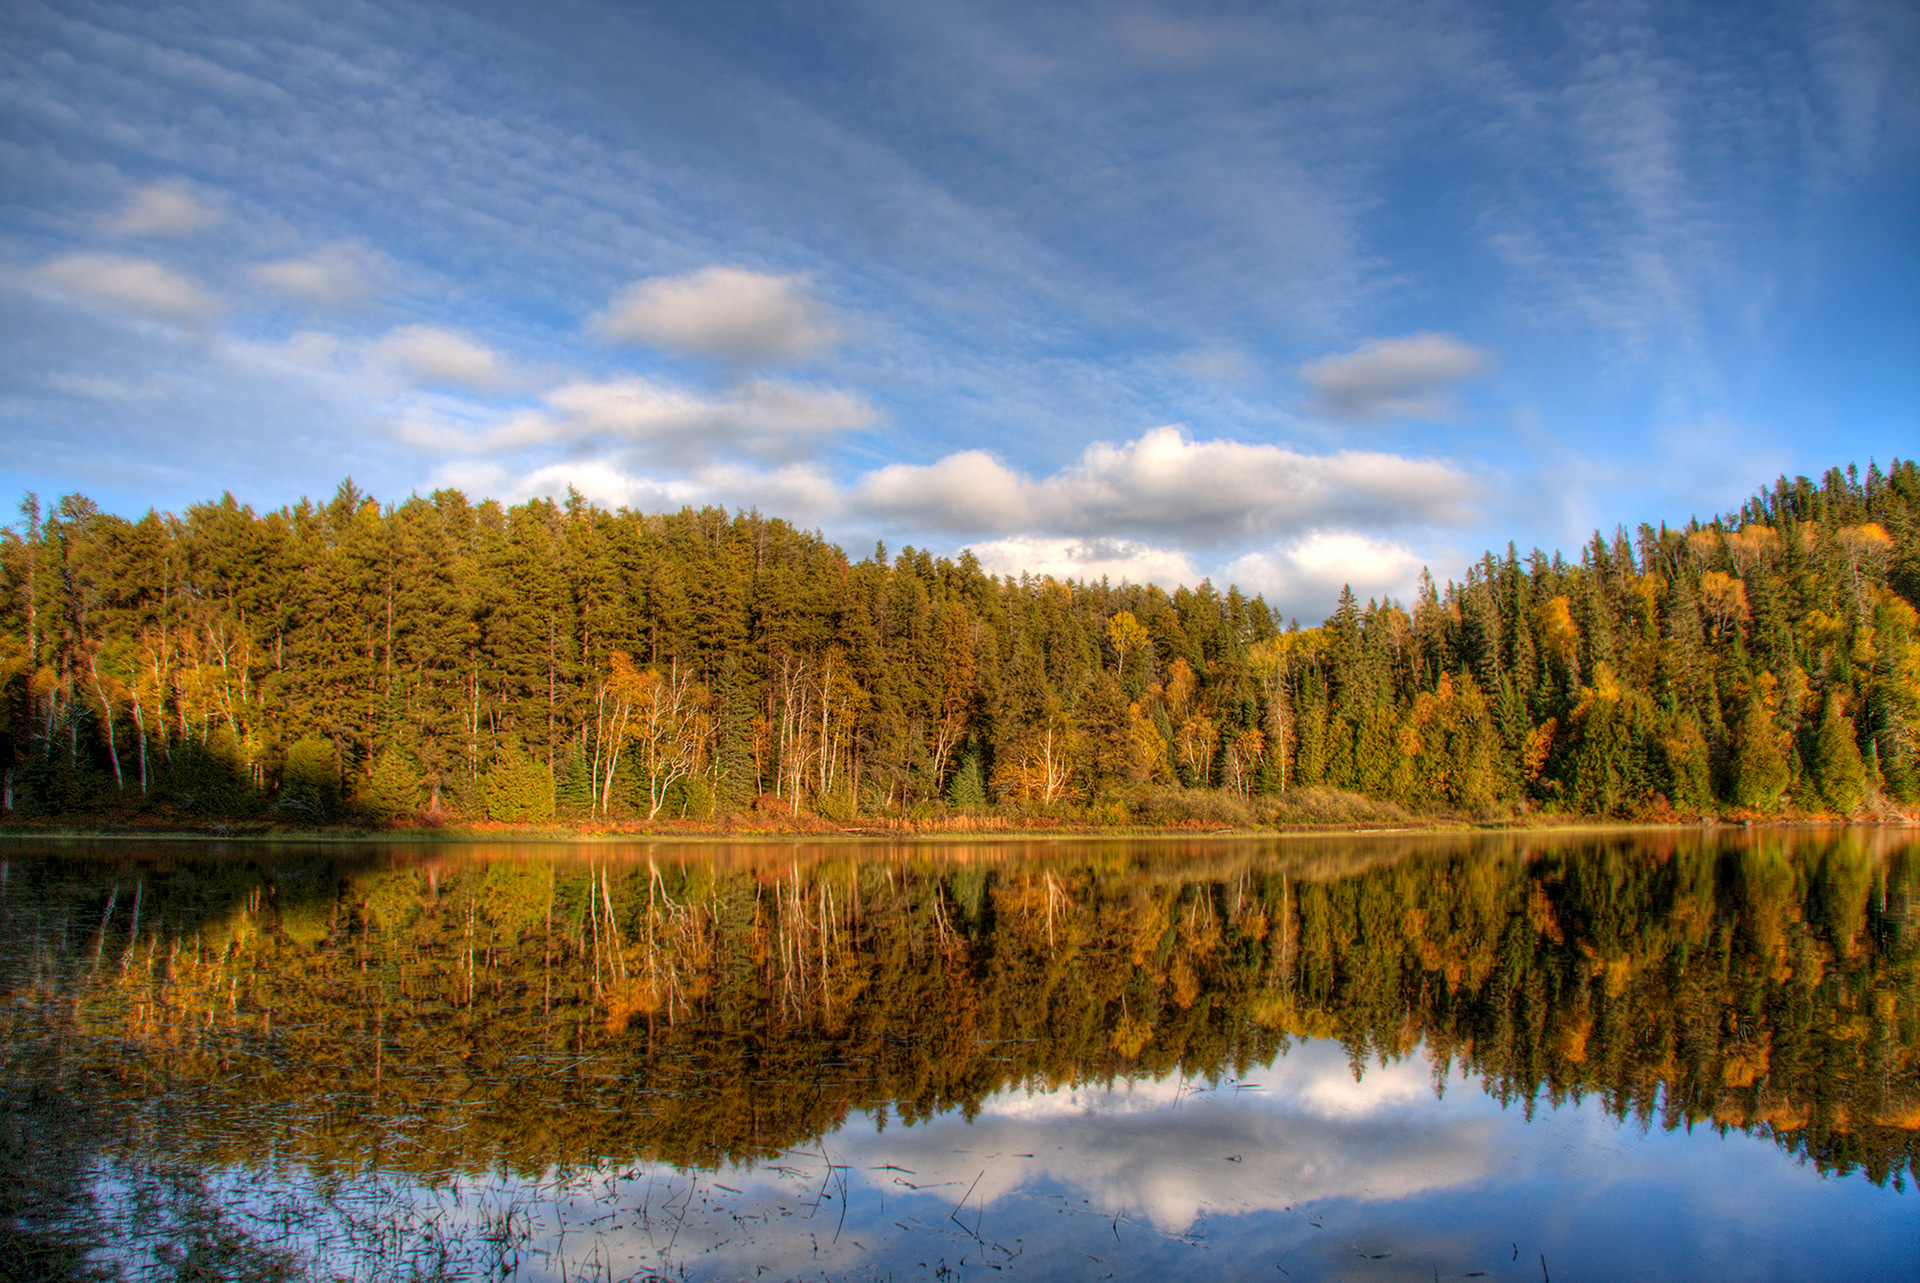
x: 440, y: 356
x: 337, y: 276
x: 1404, y: 378
x: 1164, y: 484
x: 796, y: 492
x: 136, y: 284
x: 726, y: 312
x: 967, y: 491
x: 1301, y: 576
x: 603, y: 481
x: 164, y: 209
x: 474, y: 477
x: 667, y: 424
x: 1115, y: 559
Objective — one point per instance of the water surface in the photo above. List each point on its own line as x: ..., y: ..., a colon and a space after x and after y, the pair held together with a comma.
x: 1664, y: 1056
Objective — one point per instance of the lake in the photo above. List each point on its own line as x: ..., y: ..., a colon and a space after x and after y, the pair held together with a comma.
x: 1631, y: 1055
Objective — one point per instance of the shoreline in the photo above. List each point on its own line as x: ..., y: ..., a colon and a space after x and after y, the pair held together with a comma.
x: 706, y: 832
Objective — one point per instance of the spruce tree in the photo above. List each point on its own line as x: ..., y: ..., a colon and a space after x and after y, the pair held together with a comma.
x: 1760, y: 770
x: 1839, y: 772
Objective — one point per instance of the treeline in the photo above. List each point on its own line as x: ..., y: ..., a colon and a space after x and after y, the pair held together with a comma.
x: 559, y: 660
x: 455, y: 1014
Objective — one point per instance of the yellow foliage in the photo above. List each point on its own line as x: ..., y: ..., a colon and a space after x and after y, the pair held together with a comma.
x: 13, y: 657
x: 1725, y: 598
x: 1557, y: 629
x: 1146, y: 747
x: 1572, y: 1039
x: 1269, y: 1009
x: 1648, y: 588
x: 1179, y: 688
x: 1605, y: 689
x: 1131, y: 1036
x: 1539, y: 744
x: 1540, y: 913
x: 1869, y: 535
x: 1127, y: 634
x: 1750, y: 547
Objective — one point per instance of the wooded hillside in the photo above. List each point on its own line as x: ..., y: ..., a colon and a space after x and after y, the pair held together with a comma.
x: 349, y: 659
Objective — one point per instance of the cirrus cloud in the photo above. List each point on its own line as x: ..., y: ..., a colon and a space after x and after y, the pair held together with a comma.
x: 725, y: 312
x: 1406, y: 378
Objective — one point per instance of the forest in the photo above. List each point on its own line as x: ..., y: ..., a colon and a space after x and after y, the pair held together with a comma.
x: 439, y: 660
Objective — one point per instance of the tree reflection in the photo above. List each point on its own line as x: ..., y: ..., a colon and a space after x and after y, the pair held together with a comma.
x: 459, y: 1010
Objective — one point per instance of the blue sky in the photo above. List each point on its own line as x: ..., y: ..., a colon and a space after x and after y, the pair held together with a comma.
x: 1285, y: 295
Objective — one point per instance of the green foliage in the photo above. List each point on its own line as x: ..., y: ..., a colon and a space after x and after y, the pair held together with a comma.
x: 1838, y: 771
x: 393, y: 790
x: 1688, y: 768
x: 310, y: 776
x: 573, y: 791
x: 518, y: 790
x: 1760, y: 772
x: 693, y: 798
x: 969, y: 784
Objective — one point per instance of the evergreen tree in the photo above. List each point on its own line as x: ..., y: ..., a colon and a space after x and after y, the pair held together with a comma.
x: 1760, y: 772
x: 1839, y: 773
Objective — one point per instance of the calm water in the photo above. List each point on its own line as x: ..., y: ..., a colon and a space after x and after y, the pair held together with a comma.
x: 1670, y: 1056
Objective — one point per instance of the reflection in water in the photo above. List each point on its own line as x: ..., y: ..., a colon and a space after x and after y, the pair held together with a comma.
x: 409, y: 1050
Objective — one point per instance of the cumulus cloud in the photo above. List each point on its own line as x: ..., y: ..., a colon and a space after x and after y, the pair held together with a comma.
x: 968, y: 491
x: 1165, y: 485
x: 671, y: 425
x: 1115, y: 559
x: 1299, y: 577
x: 1405, y: 378
x: 135, y: 284
x: 725, y: 312
x: 440, y: 356
x: 163, y: 209
x: 798, y: 492
x: 1311, y: 1134
x: 338, y: 276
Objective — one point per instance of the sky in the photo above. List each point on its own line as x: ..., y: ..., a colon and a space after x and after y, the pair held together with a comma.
x: 1287, y: 296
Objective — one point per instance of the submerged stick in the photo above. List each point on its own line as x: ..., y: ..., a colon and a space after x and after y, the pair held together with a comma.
x: 954, y: 1215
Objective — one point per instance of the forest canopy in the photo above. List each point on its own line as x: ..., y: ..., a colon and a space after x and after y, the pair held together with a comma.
x: 558, y: 661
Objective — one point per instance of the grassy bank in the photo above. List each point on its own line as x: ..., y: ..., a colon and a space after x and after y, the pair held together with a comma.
x: 1165, y: 811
